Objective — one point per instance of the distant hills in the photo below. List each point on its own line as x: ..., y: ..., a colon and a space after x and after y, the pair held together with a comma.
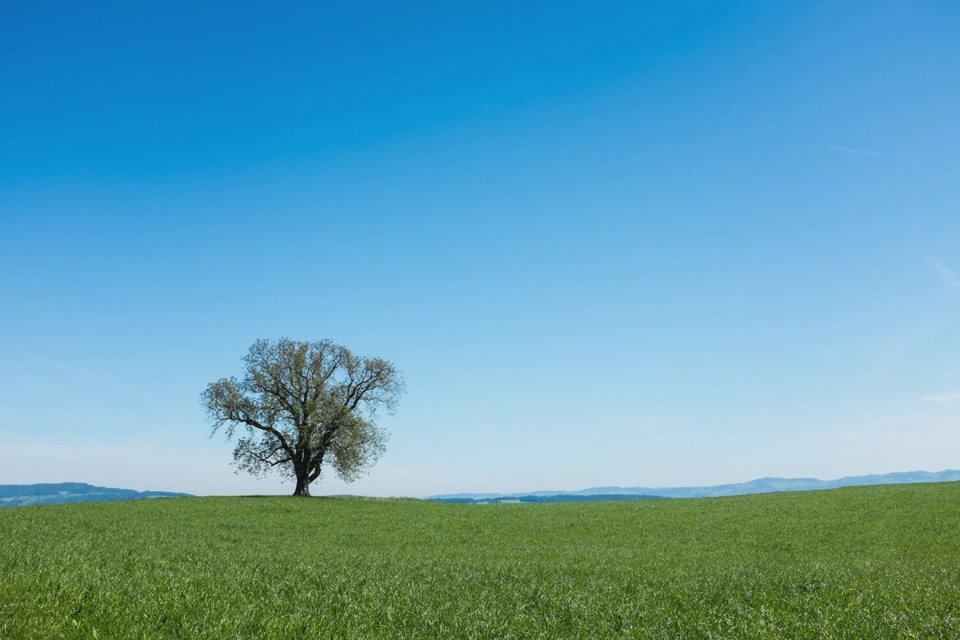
x: 16, y: 495
x: 762, y: 485
x: 549, y: 497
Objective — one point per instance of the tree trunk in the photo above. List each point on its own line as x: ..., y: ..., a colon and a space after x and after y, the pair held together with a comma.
x: 303, y: 485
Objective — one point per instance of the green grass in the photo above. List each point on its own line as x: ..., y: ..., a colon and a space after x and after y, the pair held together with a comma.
x: 877, y: 562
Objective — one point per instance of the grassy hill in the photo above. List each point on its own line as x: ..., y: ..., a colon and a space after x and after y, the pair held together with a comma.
x: 874, y: 562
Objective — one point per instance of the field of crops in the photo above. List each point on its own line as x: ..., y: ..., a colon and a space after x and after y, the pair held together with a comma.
x: 876, y: 562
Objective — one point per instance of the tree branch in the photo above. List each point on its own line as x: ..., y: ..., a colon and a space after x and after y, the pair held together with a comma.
x: 245, y: 418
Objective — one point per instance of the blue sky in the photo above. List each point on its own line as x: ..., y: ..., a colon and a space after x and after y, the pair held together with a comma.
x: 607, y: 244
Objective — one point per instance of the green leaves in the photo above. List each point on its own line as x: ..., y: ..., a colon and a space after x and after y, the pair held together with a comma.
x: 299, y: 403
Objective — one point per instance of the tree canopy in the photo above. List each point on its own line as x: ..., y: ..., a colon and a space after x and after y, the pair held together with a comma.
x: 301, y: 404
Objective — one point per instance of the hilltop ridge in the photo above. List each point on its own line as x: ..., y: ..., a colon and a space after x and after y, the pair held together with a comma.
x: 18, y: 495
x: 760, y: 485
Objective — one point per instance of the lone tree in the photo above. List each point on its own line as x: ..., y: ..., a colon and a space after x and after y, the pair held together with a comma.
x: 304, y: 403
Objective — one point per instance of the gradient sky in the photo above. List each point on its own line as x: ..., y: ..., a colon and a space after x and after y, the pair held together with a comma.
x: 606, y: 243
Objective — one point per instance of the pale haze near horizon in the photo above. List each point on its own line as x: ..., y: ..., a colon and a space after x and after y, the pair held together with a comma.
x: 605, y: 245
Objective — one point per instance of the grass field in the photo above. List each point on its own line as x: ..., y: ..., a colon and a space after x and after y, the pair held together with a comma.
x: 876, y: 562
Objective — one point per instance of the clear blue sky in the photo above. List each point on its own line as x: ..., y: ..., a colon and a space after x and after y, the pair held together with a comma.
x: 607, y: 243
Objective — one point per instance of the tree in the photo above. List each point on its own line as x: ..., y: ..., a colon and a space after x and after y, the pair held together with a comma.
x: 302, y: 404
